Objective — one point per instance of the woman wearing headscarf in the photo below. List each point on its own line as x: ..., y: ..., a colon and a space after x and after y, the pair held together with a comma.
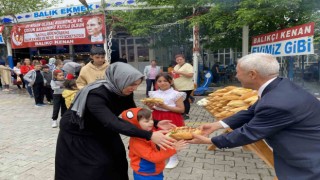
x: 51, y: 64
x: 89, y: 144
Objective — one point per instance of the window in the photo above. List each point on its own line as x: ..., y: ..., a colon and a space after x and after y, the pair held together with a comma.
x: 143, y: 54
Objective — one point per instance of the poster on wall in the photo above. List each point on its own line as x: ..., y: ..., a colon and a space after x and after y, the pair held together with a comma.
x: 57, y: 32
x: 297, y: 40
x: 1, y: 38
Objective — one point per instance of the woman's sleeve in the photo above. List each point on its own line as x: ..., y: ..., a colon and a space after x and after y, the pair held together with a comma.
x: 98, y: 108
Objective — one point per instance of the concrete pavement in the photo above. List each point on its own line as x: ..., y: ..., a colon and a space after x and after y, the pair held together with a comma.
x: 27, y: 146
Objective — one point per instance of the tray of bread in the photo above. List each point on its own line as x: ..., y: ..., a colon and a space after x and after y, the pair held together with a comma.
x: 227, y: 101
x: 183, y: 133
x: 152, y: 100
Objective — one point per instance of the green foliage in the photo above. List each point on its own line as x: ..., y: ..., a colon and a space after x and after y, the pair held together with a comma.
x: 9, y: 7
x: 220, y: 22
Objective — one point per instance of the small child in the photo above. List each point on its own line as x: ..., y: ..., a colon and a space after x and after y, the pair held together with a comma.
x: 47, y: 74
x: 172, y: 107
x: 147, y: 159
x: 58, y: 100
x: 70, y: 91
x: 37, y: 81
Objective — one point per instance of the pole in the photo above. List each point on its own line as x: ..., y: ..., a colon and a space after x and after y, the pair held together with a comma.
x: 196, y: 51
x: 71, y: 52
x: 105, y: 44
x: 245, y: 40
x: 9, y: 49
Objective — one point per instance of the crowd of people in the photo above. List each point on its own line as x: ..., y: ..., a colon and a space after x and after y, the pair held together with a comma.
x: 96, y: 105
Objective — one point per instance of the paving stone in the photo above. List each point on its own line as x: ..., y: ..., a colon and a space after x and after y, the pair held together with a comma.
x: 197, y: 165
x: 223, y: 162
x: 224, y: 174
x: 248, y: 176
x: 258, y: 171
x: 235, y: 169
x: 193, y: 176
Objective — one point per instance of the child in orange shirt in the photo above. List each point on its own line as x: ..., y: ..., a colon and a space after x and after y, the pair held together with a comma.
x: 147, y: 159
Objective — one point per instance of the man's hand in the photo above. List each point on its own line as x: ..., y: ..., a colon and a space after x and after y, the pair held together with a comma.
x: 166, y: 125
x: 209, y: 128
x: 162, y: 140
x: 199, y: 139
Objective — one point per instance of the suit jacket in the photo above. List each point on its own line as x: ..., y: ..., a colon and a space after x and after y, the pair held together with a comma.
x: 288, y: 118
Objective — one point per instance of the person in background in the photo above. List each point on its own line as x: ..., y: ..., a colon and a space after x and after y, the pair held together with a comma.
x: 171, y: 67
x: 183, y: 80
x: 47, y: 74
x: 124, y: 58
x: 58, y: 64
x: 35, y: 61
x: 215, y: 73
x: 43, y: 62
x: 150, y: 73
x: 171, y: 109
x: 95, y: 69
x: 25, y: 68
x: 17, y: 74
x: 286, y: 116
x: 5, y: 74
x: 58, y: 101
x: 70, y: 91
x: 37, y: 81
x: 147, y: 161
x: 51, y: 64
x: 72, y: 69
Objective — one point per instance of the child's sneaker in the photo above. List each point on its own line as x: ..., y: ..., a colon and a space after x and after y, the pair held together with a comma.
x: 173, y: 162
x: 54, y: 124
x: 37, y: 105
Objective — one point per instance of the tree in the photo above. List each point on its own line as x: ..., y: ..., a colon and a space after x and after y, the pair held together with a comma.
x: 12, y: 7
x: 221, y: 25
x: 262, y: 16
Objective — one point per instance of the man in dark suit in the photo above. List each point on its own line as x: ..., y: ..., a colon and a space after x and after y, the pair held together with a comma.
x: 285, y: 115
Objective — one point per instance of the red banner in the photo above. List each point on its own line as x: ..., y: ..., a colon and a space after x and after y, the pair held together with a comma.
x: 285, y: 34
x: 56, y: 32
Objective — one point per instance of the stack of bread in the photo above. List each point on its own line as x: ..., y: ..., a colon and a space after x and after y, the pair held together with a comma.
x: 228, y: 101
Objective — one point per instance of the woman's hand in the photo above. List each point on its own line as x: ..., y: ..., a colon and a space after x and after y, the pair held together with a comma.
x: 162, y: 140
x: 166, y: 125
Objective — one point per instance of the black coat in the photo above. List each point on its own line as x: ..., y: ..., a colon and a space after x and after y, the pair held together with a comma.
x: 288, y: 118
x: 96, y: 152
